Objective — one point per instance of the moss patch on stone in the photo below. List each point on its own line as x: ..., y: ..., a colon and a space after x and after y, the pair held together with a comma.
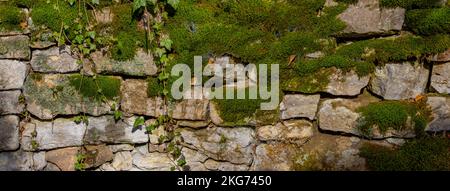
x: 154, y: 87
x: 53, y: 15
x: 10, y: 18
x: 429, y: 21
x: 397, y: 115
x: 427, y: 154
x: 96, y: 88
x: 411, y: 4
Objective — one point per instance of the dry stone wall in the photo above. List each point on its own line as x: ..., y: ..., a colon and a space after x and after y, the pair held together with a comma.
x: 314, y: 131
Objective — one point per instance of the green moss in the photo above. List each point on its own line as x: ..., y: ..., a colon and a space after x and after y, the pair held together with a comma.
x: 125, y: 30
x: 338, y: 61
x: 309, y: 83
x: 395, y: 49
x: 427, y: 154
x: 411, y: 4
x: 393, y: 115
x: 154, y: 87
x: 54, y: 15
x: 96, y: 88
x: 10, y: 18
x: 429, y: 21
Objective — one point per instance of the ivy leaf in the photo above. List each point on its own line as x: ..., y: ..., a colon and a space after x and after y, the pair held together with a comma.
x: 163, y: 76
x: 159, y: 52
x: 117, y: 115
x: 139, y: 122
x: 71, y: 2
x: 173, y: 3
x: 95, y: 2
x: 137, y: 4
x: 150, y: 128
x: 166, y: 43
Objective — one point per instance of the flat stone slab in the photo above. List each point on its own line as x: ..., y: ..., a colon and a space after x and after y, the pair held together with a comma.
x: 50, y: 95
x: 106, y: 130
x: 12, y: 74
x: 299, y: 106
x: 9, y: 136
x: 22, y: 161
x: 141, y: 65
x: 136, y: 101
x: 15, y: 47
x: 440, y: 107
x: 192, y: 109
x: 9, y: 101
x: 440, y: 78
x: 54, y: 59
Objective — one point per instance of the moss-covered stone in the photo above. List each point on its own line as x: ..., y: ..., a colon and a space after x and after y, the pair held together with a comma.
x: 15, y: 47
x: 11, y: 18
x: 429, y: 21
x: 97, y: 88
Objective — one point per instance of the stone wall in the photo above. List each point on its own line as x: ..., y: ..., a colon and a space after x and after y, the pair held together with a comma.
x: 315, y: 131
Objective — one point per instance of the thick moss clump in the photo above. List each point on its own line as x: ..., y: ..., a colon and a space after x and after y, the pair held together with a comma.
x: 340, y: 62
x: 54, y: 15
x: 125, y: 29
x: 427, y: 154
x: 398, y: 115
x: 395, y: 49
x: 411, y: 4
x: 10, y: 18
x: 429, y: 21
x: 96, y: 88
x: 154, y: 87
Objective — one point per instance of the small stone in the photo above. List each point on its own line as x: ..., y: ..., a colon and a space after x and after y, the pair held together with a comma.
x: 9, y: 101
x: 194, y: 159
x: 12, y: 74
x: 9, y: 136
x: 274, y: 157
x: 64, y: 159
x: 51, y: 167
x: 440, y: 107
x: 214, y: 114
x: 121, y: 147
x: 440, y: 78
x: 106, y: 130
x: 97, y: 155
x: 22, y: 161
x: 122, y: 161
x: 191, y: 109
x: 38, y: 135
x: 135, y: 100
x: 223, y: 144
x: 143, y: 160
x: 225, y: 166
x: 297, y: 106
x: 193, y: 124
x: 141, y: 65
x: 104, y: 16
x: 55, y: 59
x: 15, y: 47
x: 294, y: 131
x: 399, y: 81
x: 395, y: 141
x: 346, y: 83
x: 441, y: 57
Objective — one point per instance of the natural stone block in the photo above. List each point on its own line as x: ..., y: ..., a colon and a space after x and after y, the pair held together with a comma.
x: 9, y: 101
x: 440, y: 78
x: 192, y: 109
x: 143, y: 160
x: 346, y: 83
x: 15, y: 47
x: 22, y: 161
x: 55, y: 59
x: 141, y: 65
x: 50, y: 95
x: 234, y: 145
x: 136, y: 101
x: 294, y: 131
x: 106, y: 130
x: 9, y: 136
x: 224, y: 166
x: 399, y: 81
x: 64, y: 159
x: 297, y: 106
x: 39, y: 135
x: 12, y: 74
x: 440, y: 107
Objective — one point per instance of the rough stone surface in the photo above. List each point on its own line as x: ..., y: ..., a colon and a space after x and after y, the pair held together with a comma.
x: 22, y: 161
x: 122, y: 161
x: 193, y: 124
x: 297, y: 106
x: 346, y: 84
x: 214, y: 114
x: 64, y: 158
x: 121, y: 147
x: 340, y: 115
x: 143, y: 160
x: 440, y: 107
x: 51, y: 167
x: 441, y: 57
x: 135, y: 100
x: 294, y: 131
x: 141, y: 65
x: 9, y: 102
x: 225, y: 144
x: 12, y: 74
x: 274, y: 157
x: 440, y: 78
x: 97, y: 155
x: 224, y: 166
x: 55, y: 59
x: 9, y: 136
x: 367, y: 18
x: 194, y: 159
x: 15, y: 47
x: 46, y: 101
x: 192, y: 109
x: 399, y: 81
x: 38, y: 135
x: 106, y: 130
